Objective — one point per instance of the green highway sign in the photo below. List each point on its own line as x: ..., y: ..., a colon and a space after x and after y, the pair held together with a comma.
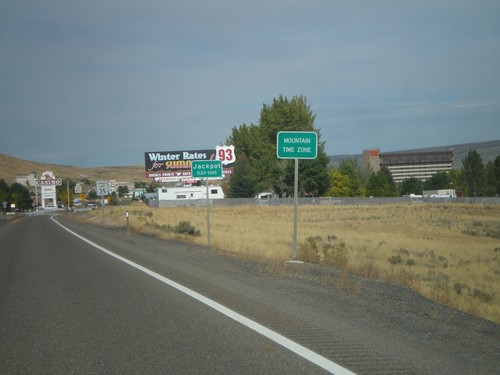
x: 206, y: 169
x: 297, y: 145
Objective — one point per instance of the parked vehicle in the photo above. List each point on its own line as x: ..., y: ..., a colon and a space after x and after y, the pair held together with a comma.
x: 188, y: 192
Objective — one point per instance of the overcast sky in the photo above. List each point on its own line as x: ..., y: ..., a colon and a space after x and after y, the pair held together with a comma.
x: 100, y: 82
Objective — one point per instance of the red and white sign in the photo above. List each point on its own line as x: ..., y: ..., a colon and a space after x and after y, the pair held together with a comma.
x: 225, y: 154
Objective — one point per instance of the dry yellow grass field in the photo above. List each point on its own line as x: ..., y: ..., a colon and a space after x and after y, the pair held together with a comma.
x: 447, y: 252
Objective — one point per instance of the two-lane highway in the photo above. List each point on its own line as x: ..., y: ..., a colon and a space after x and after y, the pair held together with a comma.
x: 77, y: 298
x: 66, y: 307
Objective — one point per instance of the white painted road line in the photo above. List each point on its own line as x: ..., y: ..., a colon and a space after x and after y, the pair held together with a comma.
x: 302, y: 351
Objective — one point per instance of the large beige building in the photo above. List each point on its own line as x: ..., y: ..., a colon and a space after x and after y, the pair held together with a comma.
x: 28, y: 181
x: 371, y: 158
x: 403, y: 165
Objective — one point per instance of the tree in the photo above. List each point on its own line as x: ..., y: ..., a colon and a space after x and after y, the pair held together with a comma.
x: 20, y: 196
x: 62, y: 191
x: 493, y: 177
x: 351, y: 169
x: 340, y: 184
x: 380, y: 185
x: 392, y: 188
x: 4, y: 193
x: 255, y: 147
x: 473, y: 173
x: 411, y: 185
x: 92, y: 195
x: 314, y: 179
x: 122, y: 190
x: 455, y: 176
x: 241, y: 183
x: 113, y: 199
x: 440, y: 180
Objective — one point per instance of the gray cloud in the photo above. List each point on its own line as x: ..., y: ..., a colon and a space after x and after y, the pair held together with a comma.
x: 127, y: 77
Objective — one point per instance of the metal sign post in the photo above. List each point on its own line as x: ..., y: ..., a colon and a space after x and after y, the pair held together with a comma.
x: 209, y: 242
x: 102, y: 191
x: 295, y: 208
x: 296, y: 145
x: 207, y: 169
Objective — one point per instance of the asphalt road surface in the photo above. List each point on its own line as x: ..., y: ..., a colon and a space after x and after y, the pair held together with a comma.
x: 83, y: 299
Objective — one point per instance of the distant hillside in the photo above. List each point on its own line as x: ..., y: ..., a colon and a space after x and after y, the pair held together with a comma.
x: 11, y: 167
x: 488, y: 150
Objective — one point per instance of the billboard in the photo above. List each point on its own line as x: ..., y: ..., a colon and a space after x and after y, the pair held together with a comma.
x: 176, y: 165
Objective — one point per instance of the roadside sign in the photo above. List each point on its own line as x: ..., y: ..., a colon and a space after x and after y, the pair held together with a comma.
x: 297, y: 145
x: 78, y: 189
x: 48, y: 182
x: 102, y: 188
x: 225, y: 154
x: 206, y: 169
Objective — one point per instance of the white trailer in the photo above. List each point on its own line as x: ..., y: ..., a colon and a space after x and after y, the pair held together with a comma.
x: 441, y: 193
x: 180, y: 193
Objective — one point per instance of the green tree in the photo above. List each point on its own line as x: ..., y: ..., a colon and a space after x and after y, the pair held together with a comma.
x: 473, y: 173
x: 380, y: 184
x: 255, y: 147
x: 455, y: 176
x: 313, y: 175
x: 351, y: 169
x: 392, y: 188
x: 340, y: 184
x: 4, y: 194
x: 440, y: 180
x: 62, y: 192
x: 4, y: 190
x: 411, y: 185
x: 241, y: 185
x: 91, y: 195
x: 493, y: 177
x: 152, y: 186
x: 20, y: 196
x: 122, y: 190
x: 113, y: 199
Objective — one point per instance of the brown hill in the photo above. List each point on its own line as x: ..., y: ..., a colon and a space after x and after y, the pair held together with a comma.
x: 10, y: 167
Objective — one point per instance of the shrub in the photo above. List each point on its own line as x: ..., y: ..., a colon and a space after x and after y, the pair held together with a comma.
x: 330, y: 252
x: 481, y: 295
x: 458, y: 287
x: 410, y: 262
x: 185, y: 227
x: 395, y: 259
x: 335, y: 254
x: 308, y: 251
x: 493, y: 233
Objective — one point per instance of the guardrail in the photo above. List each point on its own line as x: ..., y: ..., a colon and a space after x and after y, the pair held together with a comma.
x: 325, y: 201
